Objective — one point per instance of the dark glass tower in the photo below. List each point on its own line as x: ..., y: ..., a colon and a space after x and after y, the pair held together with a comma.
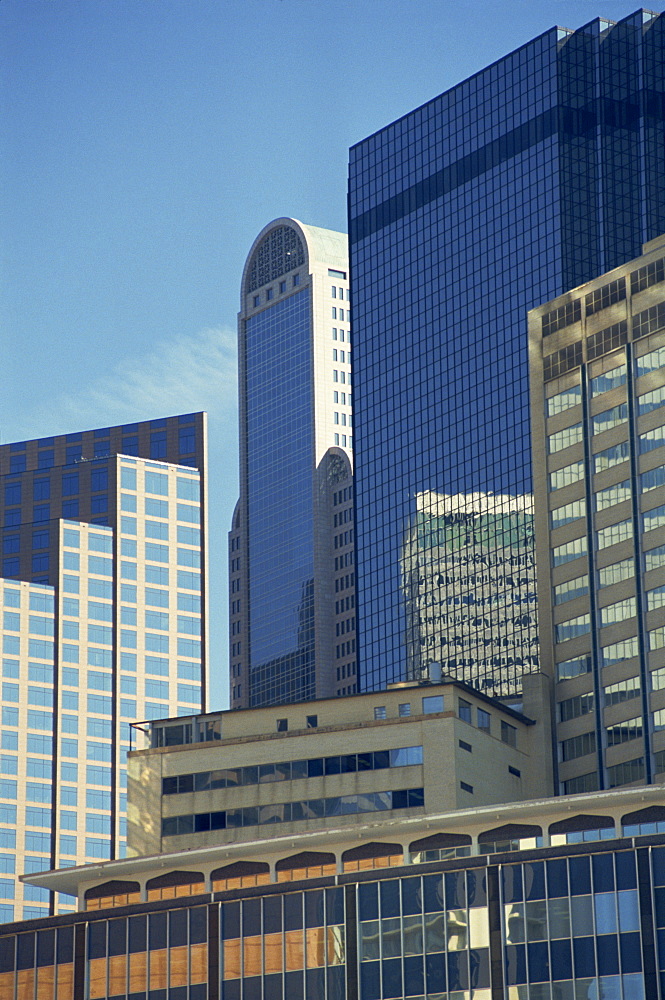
x: 534, y: 176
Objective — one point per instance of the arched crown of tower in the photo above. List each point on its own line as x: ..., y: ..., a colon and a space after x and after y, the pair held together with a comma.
x: 281, y: 250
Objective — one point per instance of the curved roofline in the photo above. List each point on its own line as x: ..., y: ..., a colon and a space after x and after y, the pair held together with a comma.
x: 324, y: 245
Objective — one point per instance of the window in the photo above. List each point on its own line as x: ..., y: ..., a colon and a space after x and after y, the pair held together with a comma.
x: 577, y: 746
x: 609, y: 380
x: 70, y: 484
x: 650, y: 362
x: 614, y: 534
x: 569, y: 512
x: 618, y: 612
x: 312, y: 721
x: 484, y: 720
x: 282, y: 725
x: 508, y: 733
x: 568, y: 551
x: 572, y: 708
x: 464, y: 710
x: 566, y: 475
x: 379, y: 711
x: 611, y: 456
x: 609, y: 418
x: 624, y: 732
x: 573, y: 668
x: 571, y: 589
x: 41, y: 489
x: 652, y: 439
x: 564, y: 438
x: 651, y: 400
x: 622, y: 691
x: 433, y: 703
x: 614, y: 494
x: 404, y: 709
x: 615, y: 573
x: 652, y: 479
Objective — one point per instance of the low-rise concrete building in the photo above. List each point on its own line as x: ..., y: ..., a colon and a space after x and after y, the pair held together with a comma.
x: 414, y: 750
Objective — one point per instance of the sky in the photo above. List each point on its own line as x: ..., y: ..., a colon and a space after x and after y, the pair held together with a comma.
x: 144, y: 145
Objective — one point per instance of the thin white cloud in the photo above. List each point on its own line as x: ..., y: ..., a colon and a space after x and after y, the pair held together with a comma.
x: 195, y: 372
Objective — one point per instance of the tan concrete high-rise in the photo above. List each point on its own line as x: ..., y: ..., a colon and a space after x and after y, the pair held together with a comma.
x: 597, y: 360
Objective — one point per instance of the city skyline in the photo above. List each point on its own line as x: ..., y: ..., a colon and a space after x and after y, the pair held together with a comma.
x: 119, y: 157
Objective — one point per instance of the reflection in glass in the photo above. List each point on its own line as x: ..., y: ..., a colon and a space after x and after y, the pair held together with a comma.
x: 434, y: 932
x: 536, y: 920
x: 606, y: 914
x: 468, y: 581
x: 629, y: 912
x: 391, y: 937
x: 582, y: 916
x: 369, y: 941
x: 559, y: 915
x: 457, y: 931
x: 479, y: 930
x: 514, y: 921
x: 413, y: 935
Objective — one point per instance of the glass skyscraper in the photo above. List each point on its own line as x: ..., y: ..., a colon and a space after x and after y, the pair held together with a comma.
x: 291, y: 583
x: 531, y: 177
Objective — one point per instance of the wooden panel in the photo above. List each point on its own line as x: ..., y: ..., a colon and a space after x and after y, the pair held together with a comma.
x: 6, y: 984
x: 117, y: 975
x: 97, y: 978
x: 198, y: 958
x: 25, y: 983
x: 315, y: 950
x: 232, y: 959
x: 272, y: 950
x: 158, y: 967
x: 45, y: 982
x: 193, y: 889
x: 65, y: 981
x: 252, y: 955
x: 295, y: 952
x: 178, y: 965
x: 240, y: 882
x: 138, y: 972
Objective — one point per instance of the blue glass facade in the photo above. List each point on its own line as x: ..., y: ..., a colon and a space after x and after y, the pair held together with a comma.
x: 583, y: 922
x: 280, y: 445
x: 533, y: 176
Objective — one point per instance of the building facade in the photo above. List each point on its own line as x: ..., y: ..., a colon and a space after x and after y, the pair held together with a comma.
x: 103, y: 623
x: 544, y: 900
x: 291, y: 566
x: 533, y: 176
x: 373, y: 757
x: 598, y: 399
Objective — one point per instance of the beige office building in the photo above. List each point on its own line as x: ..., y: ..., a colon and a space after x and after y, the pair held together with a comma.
x: 103, y: 623
x: 597, y: 360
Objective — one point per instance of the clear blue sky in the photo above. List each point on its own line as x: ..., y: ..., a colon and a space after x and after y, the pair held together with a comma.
x: 145, y: 144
